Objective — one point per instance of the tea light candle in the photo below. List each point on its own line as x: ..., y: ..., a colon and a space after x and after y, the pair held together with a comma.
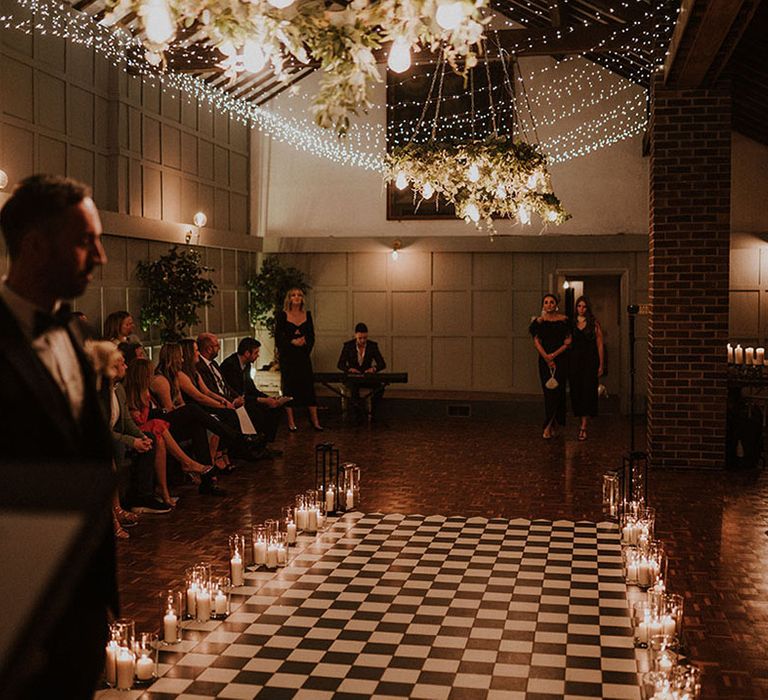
x: 203, y: 600
x: 110, y: 670
x: 760, y: 356
x: 125, y: 668
x: 236, y: 568
x: 738, y: 355
x: 350, y: 499
x: 220, y: 603
x: 192, y: 599
x: 730, y: 354
x: 170, y: 627
x: 749, y: 356
x: 145, y: 668
x: 291, y: 528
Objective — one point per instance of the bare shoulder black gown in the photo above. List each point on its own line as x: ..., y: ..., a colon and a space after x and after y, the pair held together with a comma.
x: 552, y: 335
x: 585, y: 361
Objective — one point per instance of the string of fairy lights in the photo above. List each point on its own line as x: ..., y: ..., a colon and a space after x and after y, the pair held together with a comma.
x: 586, y: 84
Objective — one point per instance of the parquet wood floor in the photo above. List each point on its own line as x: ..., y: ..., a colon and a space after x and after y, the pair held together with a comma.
x: 714, y: 523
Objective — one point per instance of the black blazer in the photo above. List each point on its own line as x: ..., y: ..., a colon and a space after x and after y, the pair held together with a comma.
x: 37, y: 425
x: 239, y: 379
x: 210, y: 381
x: 348, y: 357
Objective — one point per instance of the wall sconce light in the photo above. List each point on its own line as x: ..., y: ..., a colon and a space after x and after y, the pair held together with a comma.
x: 3, y: 179
x: 566, y: 285
x: 396, y: 245
x: 200, y: 219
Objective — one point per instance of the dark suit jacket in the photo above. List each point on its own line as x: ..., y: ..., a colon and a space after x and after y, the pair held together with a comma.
x: 37, y: 425
x: 348, y: 357
x: 239, y: 379
x: 210, y: 381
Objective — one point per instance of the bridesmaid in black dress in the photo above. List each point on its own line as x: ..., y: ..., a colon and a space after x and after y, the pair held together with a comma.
x: 586, y: 364
x: 552, y: 337
x: 295, y: 336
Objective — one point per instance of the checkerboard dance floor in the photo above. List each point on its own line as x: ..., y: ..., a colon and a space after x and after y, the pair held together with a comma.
x: 421, y: 607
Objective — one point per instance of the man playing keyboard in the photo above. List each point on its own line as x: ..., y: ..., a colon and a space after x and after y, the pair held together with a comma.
x: 361, y: 356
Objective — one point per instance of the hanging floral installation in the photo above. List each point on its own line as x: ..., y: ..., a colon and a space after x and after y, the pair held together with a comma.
x: 342, y: 43
x: 495, y: 177
x: 498, y: 176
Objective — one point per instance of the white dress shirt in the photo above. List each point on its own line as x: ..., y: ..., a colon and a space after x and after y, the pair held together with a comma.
x: 54, y: 349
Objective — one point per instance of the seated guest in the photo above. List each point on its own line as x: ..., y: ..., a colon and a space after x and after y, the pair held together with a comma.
x: 120, y: 328
x: 137, y: 455
x: 360, y: 355
x: 237, y: 385
x: 132, y: 351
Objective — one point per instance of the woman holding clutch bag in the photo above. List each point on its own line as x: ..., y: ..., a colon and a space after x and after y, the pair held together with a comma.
x: 552, y: 337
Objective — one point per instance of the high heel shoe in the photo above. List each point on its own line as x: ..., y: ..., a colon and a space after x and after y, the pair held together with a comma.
x: 125, y: 517
x: 120, y: 533
x: 292, y: 428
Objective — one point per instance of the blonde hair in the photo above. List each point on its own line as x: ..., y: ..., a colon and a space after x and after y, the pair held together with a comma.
x: 287, y: 300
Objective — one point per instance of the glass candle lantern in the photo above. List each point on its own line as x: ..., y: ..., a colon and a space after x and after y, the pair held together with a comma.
x: 259, y: 545
x: 671, y: 608
x: 656, y: 684
x: 637, y: 525
x: 271, y: 561
x: 197, y: 578
x: 662, y: 652
x: 282, y: 549
x: 686, y: 680
x: 289, y: 525
x: 351, y: 485
x: 272, y: 527
x: 301, y: 513
x: 329, y: 498
x: 120, y: 636
x: 311, y: 502
x: 651, y: 564
x: 630, y: 559
x: 237, y: 559
x: 145, y: 653
x: 611, y: 494
x: 172, y: 612
x: 646, y: 622
x: 125, y: 664
x: 220, y: 597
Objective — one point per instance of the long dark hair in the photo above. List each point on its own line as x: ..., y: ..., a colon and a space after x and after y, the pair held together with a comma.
x: 112, y: 325
x: 137, y: 381
x: 589, y: 329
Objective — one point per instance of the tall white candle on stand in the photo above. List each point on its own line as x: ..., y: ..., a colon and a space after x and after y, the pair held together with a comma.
x: 759, y: 356
x: 170, y: 627
x: 125, y: 668
x: 750, y: 356
x: 730, y: 354
x: 236, y: 567
x: 738, y: 355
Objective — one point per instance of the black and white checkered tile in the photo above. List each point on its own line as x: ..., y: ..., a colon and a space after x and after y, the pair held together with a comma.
x: 393, y: 606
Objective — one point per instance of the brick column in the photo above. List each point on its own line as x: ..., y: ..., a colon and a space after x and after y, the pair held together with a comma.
x: 690, y: 207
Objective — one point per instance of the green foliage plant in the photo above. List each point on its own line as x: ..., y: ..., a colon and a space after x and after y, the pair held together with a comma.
x: 267, y: 290
x: 178, y: 287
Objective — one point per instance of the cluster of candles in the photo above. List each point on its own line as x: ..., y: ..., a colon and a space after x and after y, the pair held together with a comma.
x: 131, y: 659
x: 657, y: 616
x: 745, y: 356
x: 206, y: 596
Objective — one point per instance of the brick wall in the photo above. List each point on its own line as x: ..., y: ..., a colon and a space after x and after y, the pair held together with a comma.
x: 690, y: 183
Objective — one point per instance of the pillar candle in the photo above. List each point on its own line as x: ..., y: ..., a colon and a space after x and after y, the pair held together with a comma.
x: 730, y: 354
x: 291, y: 533
x: 760, y: 356
x: 749, y: 356
x: 259, y: 552
x: 110, y: 670
x: 203, y: 600
x: 236, y: 569
x: 320, y: 520
x: 170, y: 627
x: 125, y: 668
x: 282, y: 555
x: 668, y: 625
x: 329, y: 500
x: 311, y: 520
x: 145, y: 668
x: 220, y: 603
x: 301, y: 518
x: 632, y: 573
x: 192, y: 600
x: 272, y: 556
x: 350, y: 499
x: 738, y: 355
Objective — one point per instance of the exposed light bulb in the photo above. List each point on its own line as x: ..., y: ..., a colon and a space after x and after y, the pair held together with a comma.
x: 3, y: 179
x: 427, y: 191
x: 523, y: 214
x: 449, y: 15
x: 281, y: 4
x: 254, y: 57
x: 472, y: 212
x: 395, y: 255
x: 159, y: 25
x: 501, y: 191
x: 200, y: 219
x: 552, y: 215
x: 566, y: 285
x: 473, y: 174
x: 401, y: 181
x: 400, y: 56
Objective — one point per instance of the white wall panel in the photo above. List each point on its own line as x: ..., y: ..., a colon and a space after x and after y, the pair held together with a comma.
x: 451, y: 313
x: 370, y: 308
x: 451, y: 363
x: 410, y: 313
x: 51, y: 102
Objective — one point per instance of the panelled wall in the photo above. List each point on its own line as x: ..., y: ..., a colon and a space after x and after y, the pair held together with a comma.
x: 146, y: 152
x: 452, y: 320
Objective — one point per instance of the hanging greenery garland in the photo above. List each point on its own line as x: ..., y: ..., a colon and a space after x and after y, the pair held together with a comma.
x: 495, y: 177
x: 251, y: 35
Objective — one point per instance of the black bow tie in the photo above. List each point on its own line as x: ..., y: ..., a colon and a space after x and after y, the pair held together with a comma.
x: 45, y: 321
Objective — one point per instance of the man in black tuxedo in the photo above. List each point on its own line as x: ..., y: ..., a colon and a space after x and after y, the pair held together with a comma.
x: 361, y: 356
x: 233, y: 381
x: 52, y: 411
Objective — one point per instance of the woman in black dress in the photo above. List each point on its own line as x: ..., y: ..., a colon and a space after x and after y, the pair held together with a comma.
x: 552, y: 337
x: 295, y: 336
x: 586, y: 364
